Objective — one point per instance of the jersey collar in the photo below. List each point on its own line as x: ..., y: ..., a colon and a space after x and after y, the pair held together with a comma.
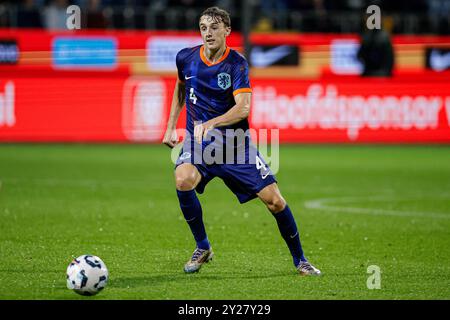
x: 209, y: 64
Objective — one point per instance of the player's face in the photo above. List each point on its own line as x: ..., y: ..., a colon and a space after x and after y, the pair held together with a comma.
x: 213, y: 33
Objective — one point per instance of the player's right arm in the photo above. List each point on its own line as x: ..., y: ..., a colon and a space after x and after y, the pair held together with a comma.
x: 170, y: 137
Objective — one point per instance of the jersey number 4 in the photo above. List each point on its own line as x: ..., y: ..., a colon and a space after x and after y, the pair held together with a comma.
x: 261, y: 165
x: 192, y: 96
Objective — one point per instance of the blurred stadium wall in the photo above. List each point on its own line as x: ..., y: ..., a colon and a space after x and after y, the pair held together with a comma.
x: 112, y: 80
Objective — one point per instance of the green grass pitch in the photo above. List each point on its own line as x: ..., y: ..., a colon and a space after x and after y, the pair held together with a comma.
x: 356, y: 206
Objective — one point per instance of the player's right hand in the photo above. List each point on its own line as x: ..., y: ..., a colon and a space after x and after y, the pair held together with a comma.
x: 170, y: 138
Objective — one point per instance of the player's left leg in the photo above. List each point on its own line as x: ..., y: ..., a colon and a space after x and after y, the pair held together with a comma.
x: 276, y: 204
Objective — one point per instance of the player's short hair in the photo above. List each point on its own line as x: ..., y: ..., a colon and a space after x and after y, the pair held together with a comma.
x: 218, y: 15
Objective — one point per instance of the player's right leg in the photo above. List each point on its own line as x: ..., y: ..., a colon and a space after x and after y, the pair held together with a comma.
x: 187, y: 178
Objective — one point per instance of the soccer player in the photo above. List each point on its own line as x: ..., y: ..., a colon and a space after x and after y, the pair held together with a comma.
x: 213, y: 82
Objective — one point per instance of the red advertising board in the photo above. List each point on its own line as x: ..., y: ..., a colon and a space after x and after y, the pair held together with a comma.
x: 89, y: 109
x: 76, y: 106
x: 61, y: 109
x: 365, y: 111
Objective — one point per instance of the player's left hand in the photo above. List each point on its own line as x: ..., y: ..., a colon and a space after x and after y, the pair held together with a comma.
x: 201, y: 130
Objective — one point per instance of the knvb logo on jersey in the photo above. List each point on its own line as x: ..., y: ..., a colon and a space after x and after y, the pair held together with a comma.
x: 224, y: 80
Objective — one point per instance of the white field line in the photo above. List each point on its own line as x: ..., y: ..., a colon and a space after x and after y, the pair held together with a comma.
x: 329, y: 204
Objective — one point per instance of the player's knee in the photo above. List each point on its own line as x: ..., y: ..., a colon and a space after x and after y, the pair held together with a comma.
x: 276, y: 204
x: 184, y: 183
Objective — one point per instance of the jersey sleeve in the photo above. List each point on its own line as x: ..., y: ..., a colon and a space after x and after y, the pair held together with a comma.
x: 180, y: 63
x: 240, y: 79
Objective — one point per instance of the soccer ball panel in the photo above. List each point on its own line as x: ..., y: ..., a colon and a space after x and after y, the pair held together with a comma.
x: 87, y: 275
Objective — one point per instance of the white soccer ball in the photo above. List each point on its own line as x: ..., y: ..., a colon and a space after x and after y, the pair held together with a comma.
x: 87, y: 275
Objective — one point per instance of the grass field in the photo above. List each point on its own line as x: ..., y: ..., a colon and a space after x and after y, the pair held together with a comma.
x: 356, y: 206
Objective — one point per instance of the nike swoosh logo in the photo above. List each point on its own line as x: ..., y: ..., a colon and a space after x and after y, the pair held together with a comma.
x: 292, y: 237
x: 187, y: 78
x: 260, y: 58
x: 265, y: 176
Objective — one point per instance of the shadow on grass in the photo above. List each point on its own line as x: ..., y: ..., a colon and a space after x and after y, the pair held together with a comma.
x: 152, y: 280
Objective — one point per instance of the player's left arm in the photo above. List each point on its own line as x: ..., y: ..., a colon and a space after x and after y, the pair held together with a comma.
x: 238, y: 112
